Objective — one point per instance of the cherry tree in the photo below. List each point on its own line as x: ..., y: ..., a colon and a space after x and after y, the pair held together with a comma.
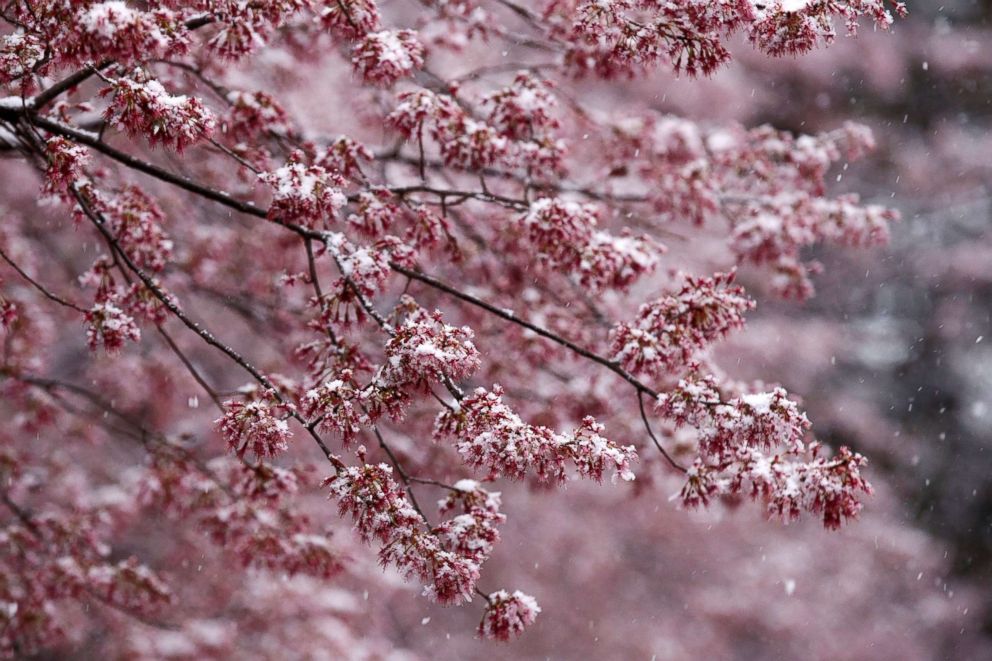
x: 405, y: 256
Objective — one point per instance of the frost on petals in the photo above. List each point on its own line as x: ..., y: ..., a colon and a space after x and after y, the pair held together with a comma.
x: 670, y: 331
x: 385, y: 57
x: 507, y: 615
x: 254, y: 427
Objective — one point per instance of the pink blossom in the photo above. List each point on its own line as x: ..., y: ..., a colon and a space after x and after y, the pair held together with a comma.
x: 508, y: 615
x: 253, y: 427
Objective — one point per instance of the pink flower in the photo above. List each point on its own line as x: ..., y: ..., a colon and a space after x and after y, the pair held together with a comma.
x: 253, y: 428
x: 141, y: 106
x: 108, y: 326
x: 384, y: 57
x: 508, y: 615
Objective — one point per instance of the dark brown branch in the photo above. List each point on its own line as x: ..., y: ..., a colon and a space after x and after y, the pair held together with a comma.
x: 611, y: 365
x: 37, y: 285
x: 657, y: 443
x: 211, y: 392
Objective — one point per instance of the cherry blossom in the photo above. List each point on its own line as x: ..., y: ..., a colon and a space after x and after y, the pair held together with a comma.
x: 670, y: 331
x: 507, y: 615
x: 253, y: 427
x: 109, y: 327
x: 385, y: 57
x: 144, y: 107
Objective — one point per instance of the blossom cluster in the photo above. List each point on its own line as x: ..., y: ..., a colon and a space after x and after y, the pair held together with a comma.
x: 385, y: 57
x: 254, y: 427
x: 49, y: 560
x: 518, y: 130
x: 110, y: 327
x: 425, y: 349
x: 507, y: 615
x: 768, y: 185
x: 142, y: 106
x: 669, y: 332
x: 491, y: 436
x: 246, y: 510
x: 422, y: 350
x: 472, y: 533
x: 754, y: 444
x: 382, y: 512
x: 565, y: 233
x: 304, y: 195
x: 116, y: 29
x: 621, y: 37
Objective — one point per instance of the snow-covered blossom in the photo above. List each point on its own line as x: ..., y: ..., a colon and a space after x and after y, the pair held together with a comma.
x: 350, y: 18
x: 364, y: 269
x: 304, y: 195
x: 345, y: 155
x: 254, y: 427
x: 66, y: 164
x: 243, y: 27
x: 114, y: 27
x: 376, y: 212
x: 472, y: 533
x: 797, y: 26
x: 620, y: 37
x: 566, y: 233
x: 593, y: 453
x: 755, y: 444
x: 425, y: 349
x: 490, y: 435
x: 507, y: 615
x: 252, y: 114
x: 109, y: 327
x: 339, y: 405
x: 415, y: 110
x: 557, y: 226
x: 774, y: 230
x: 382, y: 512
x: 470, y: 145
x: 465, y: 142
x: 670, y: 331
x: 137, y: 223
x: 523, y: 109
x: 385, y: 57
x: 616, y: 262
x: 20, y: 53
x: 142, y: 106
